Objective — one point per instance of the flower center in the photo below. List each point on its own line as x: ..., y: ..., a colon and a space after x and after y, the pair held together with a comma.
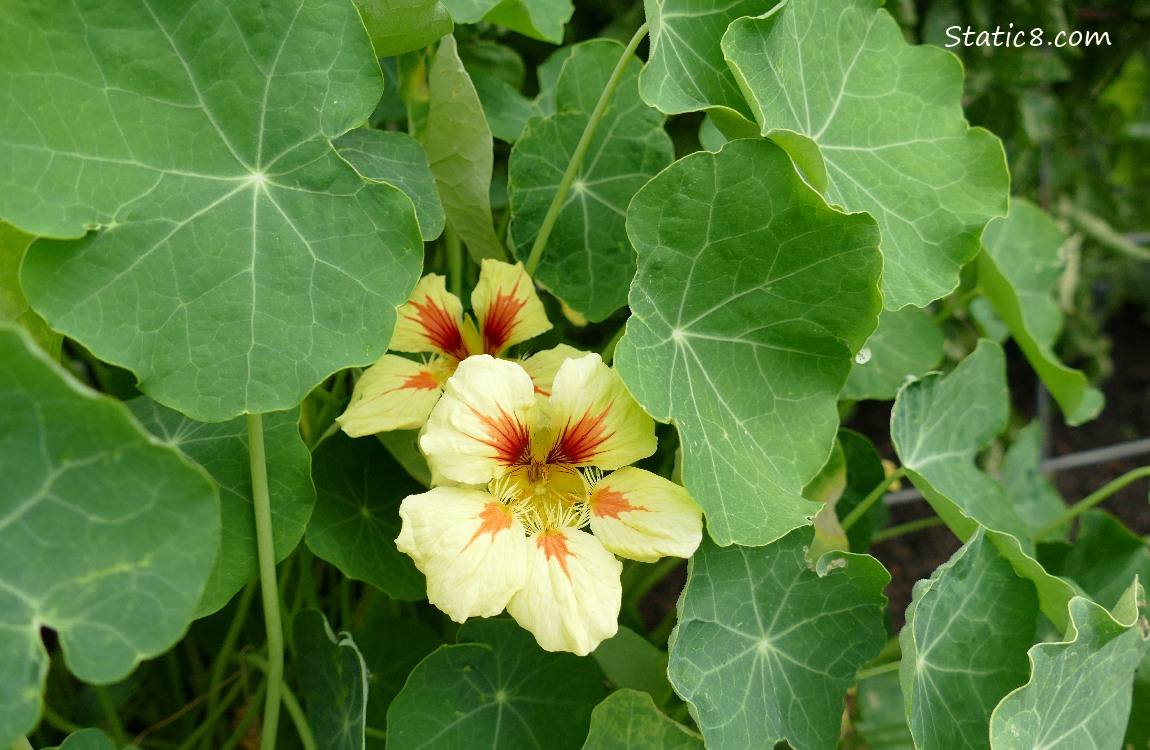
x: 544, y: 496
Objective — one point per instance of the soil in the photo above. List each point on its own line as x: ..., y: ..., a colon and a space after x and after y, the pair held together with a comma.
x: 1125, y: 417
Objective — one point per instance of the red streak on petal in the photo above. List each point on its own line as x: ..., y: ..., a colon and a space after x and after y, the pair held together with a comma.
x: 579, y: 443
x: 500, y: 320
x: 441, y: 329
x: 494, y: 518
x: 609, y: 503
x: 542, y: 392
x: 507, y: 436
x: 554, y: 545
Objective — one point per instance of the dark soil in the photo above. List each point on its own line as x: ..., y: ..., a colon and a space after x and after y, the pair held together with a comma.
x: 1125, y: 417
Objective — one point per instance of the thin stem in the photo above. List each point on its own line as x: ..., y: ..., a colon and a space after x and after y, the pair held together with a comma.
x: 609, y: 349
x: 108, y: 706
x: 651, y: 578
x: 243, y: 605
x: 454, y: 262
x: 580, y: 151
x: 906, y: 528
x: 249, y: 716
x: 864, y: 674
x: 219, y: 708
x: 956, y: 303
x: 875, y: 495
x: 295, y: 711
x: 265, y: 549
x: 378, y: 734
x: 58, y: 722
x: 1094, y: 498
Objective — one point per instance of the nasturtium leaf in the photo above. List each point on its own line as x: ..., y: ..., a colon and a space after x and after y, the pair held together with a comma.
x: 397, y: 159
x: 766, y: 647
x: 865, y: 471
x: 398, y: 26
x: 498, y: 72
x: 629, y: 720
x: 356, y: 519
x: 587, y: 261
x: 1106, y: 557
x: 878, y: 128
x: 457, y: 142
x: 751, y: 298
x: 222, y: 449
x: 881, y: 722
x: 539, y: 19
x: 496, y: 688
x: 629, y: 660
x: 403, y: 445
x: 1031, y: 493
x: 391, y: 647
x: 1018, y: 271
x: 333, y: 682
x: 108, y: 535
x: 232, y: 259
x: 13, y: 305
x: 1079, y: 691
x: 964, y: 645
x: 827, y: 488
x: 938, y: 426
x: 906, y: 344
x: 86, y: 739
x: 686, y: 70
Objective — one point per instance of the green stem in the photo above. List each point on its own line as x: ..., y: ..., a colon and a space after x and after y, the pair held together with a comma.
x: 652, y: 575
x: 580, y: 151
x: 864, y: 674
x: 875, y: 495
x: 956, y: 303
x: 59, y: 723
x: 609, y: 349
x: 265, y: 550
x: 115, y: 726
x: 454, y: 262
x: 378, y: 734
x: 249, y: 716
x: 1094, y: 498
x: 906, y: 528
x: 295, y: 711
x: 231, y: 638
x: 218, y: 709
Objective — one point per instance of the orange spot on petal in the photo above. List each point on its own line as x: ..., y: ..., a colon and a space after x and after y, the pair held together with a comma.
x: 554, y: 546
x: 441, y: 328
x: 609, y: 503
x: 422, y: 380
x: 500, y: 320
x: 493, y: 519
x: 579, y: 443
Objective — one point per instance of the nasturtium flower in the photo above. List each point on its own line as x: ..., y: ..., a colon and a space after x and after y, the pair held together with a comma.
x: 397, y: 393
x: 536, y: 523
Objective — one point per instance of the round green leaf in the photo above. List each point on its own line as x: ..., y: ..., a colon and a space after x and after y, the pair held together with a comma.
x: 497, y: 688
x: 398, y: 26
x: 1030, y: 491
x: 397, y: 159
x: 232, y: 259
x: 877, y: 127
x: 587, y: 262
x: 391, y: 647
x: 629, y: 720
x: 222, y: 449
x: 108, y: 535
x: 1079, y: 692
x: 751, y: 298
x: 907, y: 344
x: 539, y: 19
x: 333, y: 681
x: 358, y: 490
x: 1018, y: 272
x: 766, y: 647
x: 951, y: 688
x: 86, y: 739
x: 13, y: 305
x: 686, y: 70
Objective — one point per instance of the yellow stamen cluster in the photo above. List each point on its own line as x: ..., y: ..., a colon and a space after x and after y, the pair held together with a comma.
x: 545, y: 497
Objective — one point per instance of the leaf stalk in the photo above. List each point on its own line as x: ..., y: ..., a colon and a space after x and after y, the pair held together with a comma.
x: 576, y: 162
x: 1094, y: 498
x: 875, y: 495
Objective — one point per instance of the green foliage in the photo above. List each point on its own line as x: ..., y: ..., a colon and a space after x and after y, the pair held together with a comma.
x: 333, y: 678
x: 629, y: 720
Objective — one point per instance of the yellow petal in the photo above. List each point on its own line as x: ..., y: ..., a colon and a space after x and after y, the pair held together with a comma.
x: 431, y: 321
x: 393, y: 394
x: 542, y: 366
x: 570, y: 600
x: 594, y: 419
x: 482, y: 425
x: 469, y: 546
x: 643, y: 516
x: 506, y: 306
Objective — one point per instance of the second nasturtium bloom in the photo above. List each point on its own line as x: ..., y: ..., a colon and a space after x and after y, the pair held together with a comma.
x: 514, y: 538
x: 397, y: 393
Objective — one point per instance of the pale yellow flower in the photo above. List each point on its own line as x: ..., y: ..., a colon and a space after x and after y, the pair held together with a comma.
x: 519, y: 541
x: 397, y: 393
